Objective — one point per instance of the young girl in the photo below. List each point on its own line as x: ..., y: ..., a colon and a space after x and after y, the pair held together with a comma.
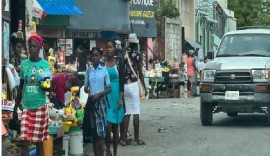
x: 115, y: 115
x: 94, y: 123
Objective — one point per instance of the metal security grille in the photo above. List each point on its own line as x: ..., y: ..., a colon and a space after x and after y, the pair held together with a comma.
x: 233, y: 77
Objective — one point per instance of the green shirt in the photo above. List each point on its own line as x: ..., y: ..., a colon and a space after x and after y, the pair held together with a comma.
x: 33, y: 96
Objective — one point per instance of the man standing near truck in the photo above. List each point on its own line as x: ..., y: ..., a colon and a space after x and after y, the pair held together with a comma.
x: 191, y: 71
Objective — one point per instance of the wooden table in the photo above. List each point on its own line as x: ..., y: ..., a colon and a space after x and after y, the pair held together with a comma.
x: 157, y: 81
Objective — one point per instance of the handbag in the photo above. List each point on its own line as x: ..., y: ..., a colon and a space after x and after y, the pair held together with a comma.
x: 140, y: 85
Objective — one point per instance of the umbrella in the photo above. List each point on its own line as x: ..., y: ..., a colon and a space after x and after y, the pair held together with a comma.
x: 37, y: 10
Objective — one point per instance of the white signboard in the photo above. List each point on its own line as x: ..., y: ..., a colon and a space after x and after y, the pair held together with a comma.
x: 66, y: 45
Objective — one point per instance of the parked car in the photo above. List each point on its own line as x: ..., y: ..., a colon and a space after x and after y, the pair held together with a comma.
x: 237, y: 79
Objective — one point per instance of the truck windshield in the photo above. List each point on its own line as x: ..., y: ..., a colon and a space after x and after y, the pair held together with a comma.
x: 244, y: 45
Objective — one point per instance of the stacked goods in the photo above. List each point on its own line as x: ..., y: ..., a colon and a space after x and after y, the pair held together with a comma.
x: 73, y: 112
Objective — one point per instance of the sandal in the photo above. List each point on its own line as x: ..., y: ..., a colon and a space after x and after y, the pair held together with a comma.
x: 124, y: 143
x: 109, y: 153
x: 140, y: 142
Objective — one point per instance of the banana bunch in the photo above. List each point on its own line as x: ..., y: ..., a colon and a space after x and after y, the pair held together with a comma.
x: 165, y: 69
x: 154, y: 70
x: 23, y: 56
x: 46, y: 84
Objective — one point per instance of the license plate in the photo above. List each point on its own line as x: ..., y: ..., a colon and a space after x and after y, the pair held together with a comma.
x: 232, y: 95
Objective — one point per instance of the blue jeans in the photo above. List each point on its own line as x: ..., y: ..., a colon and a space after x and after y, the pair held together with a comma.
x: 194, y: 88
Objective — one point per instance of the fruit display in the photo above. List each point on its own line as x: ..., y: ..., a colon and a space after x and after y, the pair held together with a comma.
x: 165, y: 69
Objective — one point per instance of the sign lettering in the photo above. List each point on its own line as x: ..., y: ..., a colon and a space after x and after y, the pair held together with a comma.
x: 32, y: 89
x: 145, y: 14
x: 81, y: 34
x: 142, y: 2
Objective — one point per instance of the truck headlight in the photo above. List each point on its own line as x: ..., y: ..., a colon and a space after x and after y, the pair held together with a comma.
x: 259, y: 75
x: 208, y: 75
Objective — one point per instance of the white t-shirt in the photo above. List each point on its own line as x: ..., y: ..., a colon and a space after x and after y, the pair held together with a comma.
x: 201, y: 66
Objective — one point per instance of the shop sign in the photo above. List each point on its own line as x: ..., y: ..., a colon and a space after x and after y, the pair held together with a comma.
x: 49, y: 33
x: 30, y: 29
x: 82, y: 34
x: 142, y: 16
x: 66, y: 45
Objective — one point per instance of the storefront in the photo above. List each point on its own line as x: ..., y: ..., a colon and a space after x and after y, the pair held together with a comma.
x: 143, y: 23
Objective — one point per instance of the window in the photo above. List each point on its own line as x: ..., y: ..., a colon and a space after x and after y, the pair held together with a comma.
x: 245, y: 44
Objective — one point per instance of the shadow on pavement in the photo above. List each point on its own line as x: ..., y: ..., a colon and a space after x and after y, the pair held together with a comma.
x: 242, y: 120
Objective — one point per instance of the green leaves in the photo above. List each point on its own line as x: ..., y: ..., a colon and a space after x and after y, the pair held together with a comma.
x: 250, y: 12
x: 167, y: 9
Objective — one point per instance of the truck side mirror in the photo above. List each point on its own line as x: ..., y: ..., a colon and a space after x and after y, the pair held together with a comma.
x: 210, y: 55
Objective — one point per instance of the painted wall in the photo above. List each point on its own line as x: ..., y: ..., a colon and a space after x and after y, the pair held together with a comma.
x: 173, y: 39
x: 211, y: 26
x: 187, y: 14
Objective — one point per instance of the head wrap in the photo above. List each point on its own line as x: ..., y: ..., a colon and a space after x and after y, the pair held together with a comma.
x: 38, y: 39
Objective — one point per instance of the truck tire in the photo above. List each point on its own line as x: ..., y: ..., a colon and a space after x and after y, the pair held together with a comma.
x: 232, y: 114
x: 206, y: 114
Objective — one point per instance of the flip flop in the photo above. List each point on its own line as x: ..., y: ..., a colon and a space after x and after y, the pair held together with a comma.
x: 124, y: 143
x: 140, y: 142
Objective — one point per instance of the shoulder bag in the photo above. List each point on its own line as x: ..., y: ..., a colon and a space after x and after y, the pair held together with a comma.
x: 141, y: 87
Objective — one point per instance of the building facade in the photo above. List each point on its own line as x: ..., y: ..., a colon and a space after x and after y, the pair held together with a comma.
x: 213, y: 20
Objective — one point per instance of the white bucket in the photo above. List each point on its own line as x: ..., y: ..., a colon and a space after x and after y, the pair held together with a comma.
x: 76, y: 143
x: 66, y: 144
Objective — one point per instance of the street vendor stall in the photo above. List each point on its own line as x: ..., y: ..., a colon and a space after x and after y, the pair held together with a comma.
x: 165, y: 78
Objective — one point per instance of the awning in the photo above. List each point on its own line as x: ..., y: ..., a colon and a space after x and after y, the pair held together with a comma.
x: 60, y: 7
x: 193, y: 44
x: 227, y: 13
x: 216, y: 39
x: 37, y: 10
x: 117, y: 20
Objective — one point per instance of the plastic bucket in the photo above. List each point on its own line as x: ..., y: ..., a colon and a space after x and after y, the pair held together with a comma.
x: 65, y: 145
x: 48, y: 146
x: 76, y: 143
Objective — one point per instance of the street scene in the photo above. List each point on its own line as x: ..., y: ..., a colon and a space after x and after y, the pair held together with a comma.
x: 173, y: 127
x: 135, y: 77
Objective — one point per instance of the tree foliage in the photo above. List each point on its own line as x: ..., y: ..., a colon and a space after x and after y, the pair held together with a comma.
x: 250, y: 12
x: 167, y: 8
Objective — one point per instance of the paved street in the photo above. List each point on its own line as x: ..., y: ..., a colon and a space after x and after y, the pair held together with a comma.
x: 172, y: 127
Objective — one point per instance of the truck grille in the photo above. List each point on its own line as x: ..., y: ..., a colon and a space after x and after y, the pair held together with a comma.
x: 233, y: 77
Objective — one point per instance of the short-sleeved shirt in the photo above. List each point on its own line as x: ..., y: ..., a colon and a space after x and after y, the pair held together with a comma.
x: 135, y: 59
x: 33, y: 96
x: 61, y: 83
x: 97, y: 80
x: 190, y: 66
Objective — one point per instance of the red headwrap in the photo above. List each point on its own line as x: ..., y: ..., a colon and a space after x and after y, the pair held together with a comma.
x: 38, y: 39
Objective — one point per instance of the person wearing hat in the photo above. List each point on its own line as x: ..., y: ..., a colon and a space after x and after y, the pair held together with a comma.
x: 131, y: 89
x: 191, y: 71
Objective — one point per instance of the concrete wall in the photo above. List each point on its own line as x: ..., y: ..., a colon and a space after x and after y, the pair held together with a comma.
x: 187, y: 14
x: 173, y: 40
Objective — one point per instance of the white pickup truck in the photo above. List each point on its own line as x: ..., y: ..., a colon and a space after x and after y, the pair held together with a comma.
x: 237, y: 79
